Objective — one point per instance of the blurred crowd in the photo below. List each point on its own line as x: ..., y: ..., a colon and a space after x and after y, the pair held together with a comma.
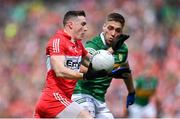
x: 26, y: 26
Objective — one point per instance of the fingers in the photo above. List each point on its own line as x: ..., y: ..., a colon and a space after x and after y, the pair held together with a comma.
x: 124, y: 36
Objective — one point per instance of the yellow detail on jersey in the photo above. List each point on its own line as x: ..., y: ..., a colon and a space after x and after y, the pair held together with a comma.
x: 116, y: 66
x: 144, y: 93
x: 119, y: 65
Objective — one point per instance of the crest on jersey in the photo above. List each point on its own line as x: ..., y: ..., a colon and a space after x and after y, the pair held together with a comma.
x: 120, y: 57
x: 91, y: 50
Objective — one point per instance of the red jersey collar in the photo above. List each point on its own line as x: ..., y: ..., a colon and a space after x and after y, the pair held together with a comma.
x: 61, y: 31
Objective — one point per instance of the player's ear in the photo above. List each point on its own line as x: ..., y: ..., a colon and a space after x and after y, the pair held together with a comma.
x: 104, y: 27
x: 70, y: 24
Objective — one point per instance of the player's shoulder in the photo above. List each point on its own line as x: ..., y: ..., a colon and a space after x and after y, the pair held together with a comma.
x: 55, y: 40
x: 95, y: 43
x: 58, y: 36
x: 94, y: 40
x: 123, y: 48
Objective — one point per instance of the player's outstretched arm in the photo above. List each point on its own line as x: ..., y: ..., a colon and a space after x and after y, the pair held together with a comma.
x: 62, y: 71
x: 125, y: 73
x: 130, y: 87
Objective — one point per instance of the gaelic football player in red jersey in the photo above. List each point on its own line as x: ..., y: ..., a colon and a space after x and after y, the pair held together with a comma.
x: 65, y: 53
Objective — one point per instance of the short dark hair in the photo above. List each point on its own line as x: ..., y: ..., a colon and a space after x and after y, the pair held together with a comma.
x: 71, y: 14
x: 116, y: 17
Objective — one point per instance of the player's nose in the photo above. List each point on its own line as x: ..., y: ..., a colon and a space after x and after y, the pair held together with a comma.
x: 113, y: 32
x: 85, y: 28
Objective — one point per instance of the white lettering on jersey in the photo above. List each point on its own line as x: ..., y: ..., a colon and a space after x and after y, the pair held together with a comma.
x: 56, y: 44
x: 73, y: 62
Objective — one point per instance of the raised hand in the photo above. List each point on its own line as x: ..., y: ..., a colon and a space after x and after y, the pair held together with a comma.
x: 116, y: 44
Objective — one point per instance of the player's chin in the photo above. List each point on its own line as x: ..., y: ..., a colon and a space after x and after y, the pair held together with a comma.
x: 109, y: 43
x: 82, y: 36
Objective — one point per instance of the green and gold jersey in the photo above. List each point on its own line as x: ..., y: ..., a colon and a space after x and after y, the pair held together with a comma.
x: 98, y: 87
x: 145, y: 88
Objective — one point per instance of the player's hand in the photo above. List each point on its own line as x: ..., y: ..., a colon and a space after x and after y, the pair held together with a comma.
x: 122, y: 72
x: 130, y: 99
x: 116, y: 44
x: 91, y: 74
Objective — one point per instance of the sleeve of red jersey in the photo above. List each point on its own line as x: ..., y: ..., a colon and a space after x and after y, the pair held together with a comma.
x: 56, y: 46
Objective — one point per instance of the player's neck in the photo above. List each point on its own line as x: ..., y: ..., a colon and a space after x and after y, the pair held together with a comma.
x: 70, y: 34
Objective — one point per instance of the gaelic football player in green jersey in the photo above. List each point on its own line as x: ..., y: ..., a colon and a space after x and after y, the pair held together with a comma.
x: 91, y: 93
x: 146, y: 86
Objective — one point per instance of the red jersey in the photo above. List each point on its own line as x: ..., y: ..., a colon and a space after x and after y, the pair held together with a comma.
x: 60, y: 44
x: 57, y: 93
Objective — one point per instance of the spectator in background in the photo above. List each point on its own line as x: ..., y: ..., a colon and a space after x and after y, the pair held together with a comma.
x: 145, y: 85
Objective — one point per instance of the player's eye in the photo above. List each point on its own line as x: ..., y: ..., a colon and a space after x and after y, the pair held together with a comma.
x: 118, y: 30
x: 110, y: 28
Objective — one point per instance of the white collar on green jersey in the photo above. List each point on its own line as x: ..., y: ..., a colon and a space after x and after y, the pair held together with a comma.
x: 103, y: 39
